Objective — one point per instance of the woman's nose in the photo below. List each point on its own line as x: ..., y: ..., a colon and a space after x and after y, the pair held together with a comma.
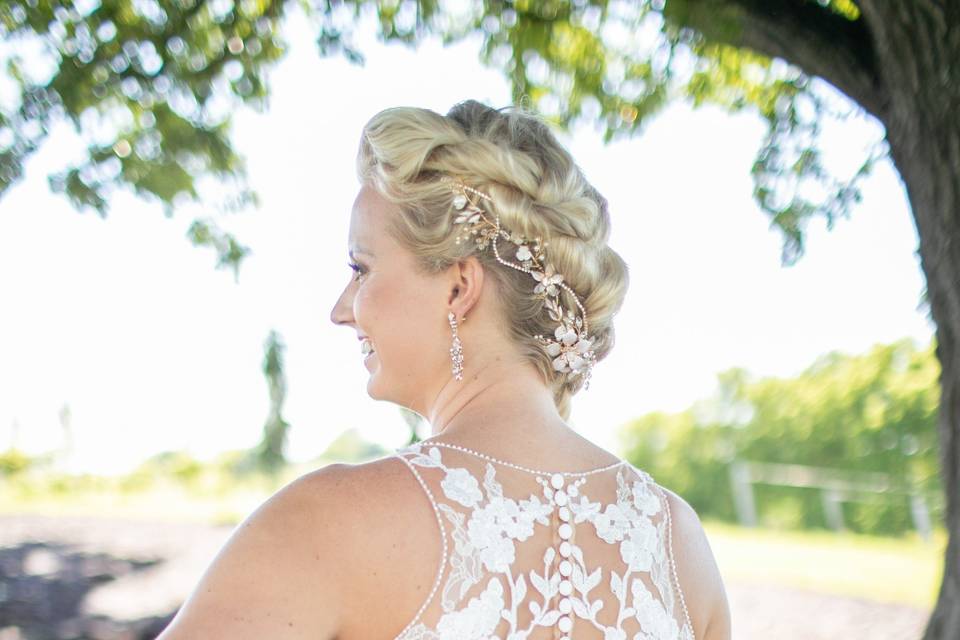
x: 341, y: 313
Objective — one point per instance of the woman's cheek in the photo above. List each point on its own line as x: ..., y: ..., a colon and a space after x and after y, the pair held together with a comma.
x: 372, y: 301
x: 363, y: 308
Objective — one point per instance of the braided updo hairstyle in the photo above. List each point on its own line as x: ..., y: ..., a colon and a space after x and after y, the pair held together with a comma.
x: 537, y: 190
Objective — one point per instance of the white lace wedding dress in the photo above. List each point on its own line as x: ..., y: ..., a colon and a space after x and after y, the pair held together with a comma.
x: 531, y: 554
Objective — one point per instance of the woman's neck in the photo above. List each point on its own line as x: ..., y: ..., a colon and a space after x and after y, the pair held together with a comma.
x: 511, y: 417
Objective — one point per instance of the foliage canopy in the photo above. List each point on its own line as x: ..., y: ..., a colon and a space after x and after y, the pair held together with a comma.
x: 151, y: 86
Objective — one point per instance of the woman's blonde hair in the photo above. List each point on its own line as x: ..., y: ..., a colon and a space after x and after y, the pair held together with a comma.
x: 537, y: 190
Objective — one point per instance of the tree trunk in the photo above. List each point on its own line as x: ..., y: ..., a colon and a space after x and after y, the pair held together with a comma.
x: 918, y: 53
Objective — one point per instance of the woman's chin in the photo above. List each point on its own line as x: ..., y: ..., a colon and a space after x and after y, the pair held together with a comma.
x: 372, y: 364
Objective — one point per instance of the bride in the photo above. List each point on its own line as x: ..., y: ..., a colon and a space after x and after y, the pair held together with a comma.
x: 505, y: 523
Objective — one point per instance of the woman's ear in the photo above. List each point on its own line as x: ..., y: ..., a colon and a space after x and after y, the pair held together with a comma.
x: 466, y: 284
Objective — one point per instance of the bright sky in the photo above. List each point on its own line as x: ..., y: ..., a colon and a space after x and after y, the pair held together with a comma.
x: 153, y: 349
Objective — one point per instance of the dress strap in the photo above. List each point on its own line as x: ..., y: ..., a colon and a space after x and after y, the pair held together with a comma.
x: 443, y: 538
x: 670, y: 556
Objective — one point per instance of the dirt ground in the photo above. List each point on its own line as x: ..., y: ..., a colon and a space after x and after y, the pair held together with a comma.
x: 72, y: 578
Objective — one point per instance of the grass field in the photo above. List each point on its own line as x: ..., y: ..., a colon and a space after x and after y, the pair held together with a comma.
x: 897, y: 570
x: 164, y: 500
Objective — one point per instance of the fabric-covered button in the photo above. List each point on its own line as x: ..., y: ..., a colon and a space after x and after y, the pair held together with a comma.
x: 565, y: 623
x: 565, y: 549
x: 556, y: 480
x: 566, y: 567
x: 564, y: 513
x: 560, y: 497
x: 565, y: 605
x: 566, y: 587
x: 565, y: 531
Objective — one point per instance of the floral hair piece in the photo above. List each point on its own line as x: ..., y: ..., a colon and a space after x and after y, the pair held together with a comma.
x: 570, y: 347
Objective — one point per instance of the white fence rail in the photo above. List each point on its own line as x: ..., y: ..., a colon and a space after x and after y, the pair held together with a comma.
x: 836, y: 487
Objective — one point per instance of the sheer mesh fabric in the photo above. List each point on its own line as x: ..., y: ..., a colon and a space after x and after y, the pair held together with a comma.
x: 509, y: 573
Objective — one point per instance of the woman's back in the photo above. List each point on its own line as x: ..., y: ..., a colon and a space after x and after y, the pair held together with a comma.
x: 514, y: 553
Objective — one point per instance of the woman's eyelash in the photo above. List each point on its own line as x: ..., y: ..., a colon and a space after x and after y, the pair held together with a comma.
x: 358, y: 270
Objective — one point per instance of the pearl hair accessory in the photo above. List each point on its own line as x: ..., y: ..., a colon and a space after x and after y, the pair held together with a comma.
x: 570, y: 347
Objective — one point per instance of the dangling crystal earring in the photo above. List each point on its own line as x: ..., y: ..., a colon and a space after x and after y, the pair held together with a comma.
x: 456, y: 351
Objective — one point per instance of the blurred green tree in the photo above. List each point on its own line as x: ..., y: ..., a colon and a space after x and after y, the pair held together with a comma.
x: 350, y: 446
x: 165, y: 74
x: 269, y: 453
x: 152, y: 86
x: 874, y: 412
x: 177, y: 465
x: 414, y: 422
x: 14, y: 461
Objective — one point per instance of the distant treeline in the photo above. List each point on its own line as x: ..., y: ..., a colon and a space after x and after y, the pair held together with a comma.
x: 866, y: 413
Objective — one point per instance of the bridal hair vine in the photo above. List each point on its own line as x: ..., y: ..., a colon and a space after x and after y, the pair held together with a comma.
x: 570, y: 347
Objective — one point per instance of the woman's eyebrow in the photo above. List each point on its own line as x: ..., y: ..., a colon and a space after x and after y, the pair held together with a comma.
x: 359, y: 250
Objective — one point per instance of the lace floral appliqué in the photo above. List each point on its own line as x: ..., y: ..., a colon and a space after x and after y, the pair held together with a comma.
x: 484, y: 540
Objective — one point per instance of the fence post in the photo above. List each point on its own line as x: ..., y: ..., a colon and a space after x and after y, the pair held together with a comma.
x: 833, y: 509
x: 921, y: 516
x: 743, y: 494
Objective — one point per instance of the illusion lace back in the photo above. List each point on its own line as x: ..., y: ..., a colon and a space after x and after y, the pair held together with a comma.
x: 545, y: 555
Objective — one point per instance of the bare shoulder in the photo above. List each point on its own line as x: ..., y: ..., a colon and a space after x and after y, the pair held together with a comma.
x: 255, y: 587
x: 697, y: 572
x: 294, y: 567
x: 389, y: 544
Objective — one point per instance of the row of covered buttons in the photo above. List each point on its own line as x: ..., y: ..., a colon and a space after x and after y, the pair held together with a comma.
x: 561, y: 497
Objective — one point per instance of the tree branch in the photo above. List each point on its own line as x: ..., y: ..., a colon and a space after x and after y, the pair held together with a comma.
x: 815, y: 39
